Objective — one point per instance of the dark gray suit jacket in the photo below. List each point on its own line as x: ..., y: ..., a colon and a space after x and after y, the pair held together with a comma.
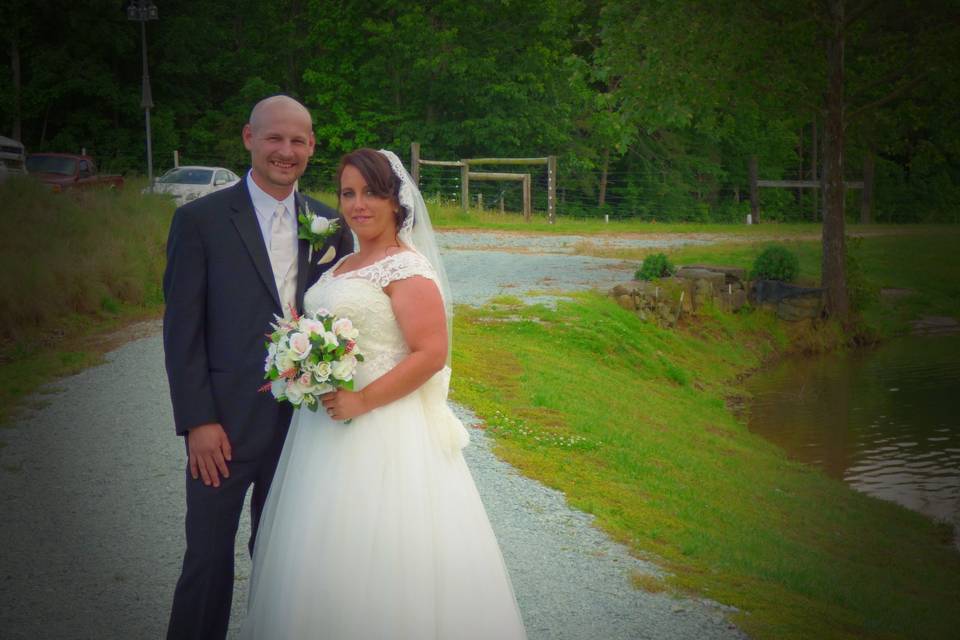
x: 220, y: 300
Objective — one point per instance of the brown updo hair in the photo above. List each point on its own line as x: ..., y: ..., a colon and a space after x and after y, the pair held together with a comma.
x: 379, y: 176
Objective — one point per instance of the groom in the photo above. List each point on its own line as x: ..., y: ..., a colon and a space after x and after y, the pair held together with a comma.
x: 233, y: 261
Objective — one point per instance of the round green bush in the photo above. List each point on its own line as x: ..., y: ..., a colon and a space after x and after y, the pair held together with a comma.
x: 776, y: 262
x: 655, y: 266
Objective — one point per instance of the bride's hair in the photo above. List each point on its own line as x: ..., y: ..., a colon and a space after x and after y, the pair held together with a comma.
x: 379, y: 176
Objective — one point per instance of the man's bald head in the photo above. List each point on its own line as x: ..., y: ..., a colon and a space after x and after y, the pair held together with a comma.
x: 263, y: 110
x: 280, y: 140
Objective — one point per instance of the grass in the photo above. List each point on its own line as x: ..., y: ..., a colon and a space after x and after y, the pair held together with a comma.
x: 920, y: 261
x: 630, y: 422
x: 73, y: 266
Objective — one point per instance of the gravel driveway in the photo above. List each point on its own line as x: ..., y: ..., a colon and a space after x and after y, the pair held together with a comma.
x: 92, y: 501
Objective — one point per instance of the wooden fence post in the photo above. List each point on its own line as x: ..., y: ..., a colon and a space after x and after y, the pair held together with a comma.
x: 176, y: 158
x: 814, y: 169
x: 527, y: 208
x: 465, y: 186
x: 754, y: 191
x: 415, y: 162
x: 551, y: 189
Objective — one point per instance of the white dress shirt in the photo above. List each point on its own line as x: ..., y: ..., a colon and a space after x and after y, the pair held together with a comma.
x: 264, y: 205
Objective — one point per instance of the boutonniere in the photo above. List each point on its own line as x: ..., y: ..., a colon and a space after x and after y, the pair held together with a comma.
x: 315, y: 229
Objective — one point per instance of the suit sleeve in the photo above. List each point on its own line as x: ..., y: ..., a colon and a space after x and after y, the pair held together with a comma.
x: 184, y: 325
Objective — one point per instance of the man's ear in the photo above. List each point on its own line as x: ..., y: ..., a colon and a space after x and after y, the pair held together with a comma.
x: 247, y: 136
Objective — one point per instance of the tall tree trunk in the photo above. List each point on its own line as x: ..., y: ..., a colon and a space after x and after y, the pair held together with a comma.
x: 833, y: 273
x: 16, y: 131
x: 603, y: 178
x: 866, y: 197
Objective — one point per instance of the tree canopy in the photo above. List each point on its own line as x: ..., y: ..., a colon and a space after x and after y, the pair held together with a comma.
x: 653, y: 107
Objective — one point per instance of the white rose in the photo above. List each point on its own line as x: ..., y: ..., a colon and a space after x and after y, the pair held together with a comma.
x: 330, y: 339
x: 285, y: 360
x: 271, y: 355
x: 343, y: 369
x: 319, y: 225
x: 321, y: 370
x: 300, y: 345
x: 305, y: 380
x: 278, y: 388
x: 295, y: 393
x: 311, y: 327
x: 322, y: 312
x: 345, y: 329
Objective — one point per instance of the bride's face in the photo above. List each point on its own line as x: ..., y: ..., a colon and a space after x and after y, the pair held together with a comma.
x: 368, y: 215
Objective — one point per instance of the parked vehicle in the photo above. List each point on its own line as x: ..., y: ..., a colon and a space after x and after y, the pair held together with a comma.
x: 12, y: 158
x: 189, y: 183
x: 62, y: 171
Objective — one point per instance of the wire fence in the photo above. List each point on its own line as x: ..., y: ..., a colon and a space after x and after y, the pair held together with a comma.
x: 640, y: 195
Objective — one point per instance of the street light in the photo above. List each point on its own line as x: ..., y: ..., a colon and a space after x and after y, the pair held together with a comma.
x: 142, y: 11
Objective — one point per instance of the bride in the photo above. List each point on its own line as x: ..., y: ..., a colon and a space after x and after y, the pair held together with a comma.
x: 373, y: 527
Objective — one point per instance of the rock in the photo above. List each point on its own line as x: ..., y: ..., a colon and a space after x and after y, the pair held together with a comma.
x: 626, y: 301
x: 732, y: 273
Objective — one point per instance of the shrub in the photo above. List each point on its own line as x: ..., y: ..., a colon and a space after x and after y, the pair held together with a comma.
x: 655, y: 266
x: 776, y: 262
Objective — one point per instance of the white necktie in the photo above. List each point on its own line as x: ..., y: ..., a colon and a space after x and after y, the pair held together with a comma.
x: 282, y: 256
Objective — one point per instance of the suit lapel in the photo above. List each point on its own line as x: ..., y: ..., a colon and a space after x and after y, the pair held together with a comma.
x: 245, y: 219
x: 304, y: 267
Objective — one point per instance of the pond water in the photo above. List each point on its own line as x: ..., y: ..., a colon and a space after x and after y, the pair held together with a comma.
x: 886, y: 420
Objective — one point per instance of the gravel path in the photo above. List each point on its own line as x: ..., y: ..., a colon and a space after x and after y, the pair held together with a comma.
x: 92, y: 499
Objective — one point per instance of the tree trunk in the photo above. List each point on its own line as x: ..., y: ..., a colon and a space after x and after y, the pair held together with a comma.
x: 866, y: 197
x: 603, y: 178
x: 833, y: 273
x: 16, y: 131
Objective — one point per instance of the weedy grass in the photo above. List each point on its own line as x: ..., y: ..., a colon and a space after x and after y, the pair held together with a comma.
x: 919, y: 261
x: 631, y: 422
x: 73, y: 264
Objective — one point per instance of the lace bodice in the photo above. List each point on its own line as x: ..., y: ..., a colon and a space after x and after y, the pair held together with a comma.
x: 359, y: 295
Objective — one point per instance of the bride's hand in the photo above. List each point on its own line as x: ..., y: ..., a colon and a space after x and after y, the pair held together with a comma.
x: 343, y: 404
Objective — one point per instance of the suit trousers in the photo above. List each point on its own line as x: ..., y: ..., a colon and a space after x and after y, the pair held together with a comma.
x: 204, y: 593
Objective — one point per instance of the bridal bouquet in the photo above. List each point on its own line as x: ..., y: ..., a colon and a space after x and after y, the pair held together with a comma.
x: 310, y: 355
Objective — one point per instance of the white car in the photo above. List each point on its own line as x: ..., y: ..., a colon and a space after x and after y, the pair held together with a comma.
x: 189, y: 183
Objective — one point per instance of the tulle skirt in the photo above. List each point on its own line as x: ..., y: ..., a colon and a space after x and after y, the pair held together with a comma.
x: 374, y: 529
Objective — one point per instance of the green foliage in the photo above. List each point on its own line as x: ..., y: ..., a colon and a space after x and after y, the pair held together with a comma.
x: 655, y: 266
x: 661, y: 102
x: 776, y: 262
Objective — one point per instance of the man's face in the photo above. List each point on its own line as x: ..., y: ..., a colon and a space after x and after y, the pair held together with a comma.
x: 280, y: 142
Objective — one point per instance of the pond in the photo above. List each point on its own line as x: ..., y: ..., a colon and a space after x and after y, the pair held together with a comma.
x: 884, y: 420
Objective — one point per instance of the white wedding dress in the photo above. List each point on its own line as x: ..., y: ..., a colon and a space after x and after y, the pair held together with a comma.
x: 375, y: 529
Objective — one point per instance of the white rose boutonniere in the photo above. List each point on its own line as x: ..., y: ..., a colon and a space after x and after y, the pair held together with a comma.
x: 314, y: 228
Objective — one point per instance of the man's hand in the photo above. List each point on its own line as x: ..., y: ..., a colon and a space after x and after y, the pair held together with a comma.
x: 209, y: 451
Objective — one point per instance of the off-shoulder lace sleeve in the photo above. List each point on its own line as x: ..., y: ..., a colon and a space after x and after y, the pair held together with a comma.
x: 400, y: 266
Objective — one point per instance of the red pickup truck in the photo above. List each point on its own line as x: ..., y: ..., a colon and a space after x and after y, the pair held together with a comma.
x: 62, y: 171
